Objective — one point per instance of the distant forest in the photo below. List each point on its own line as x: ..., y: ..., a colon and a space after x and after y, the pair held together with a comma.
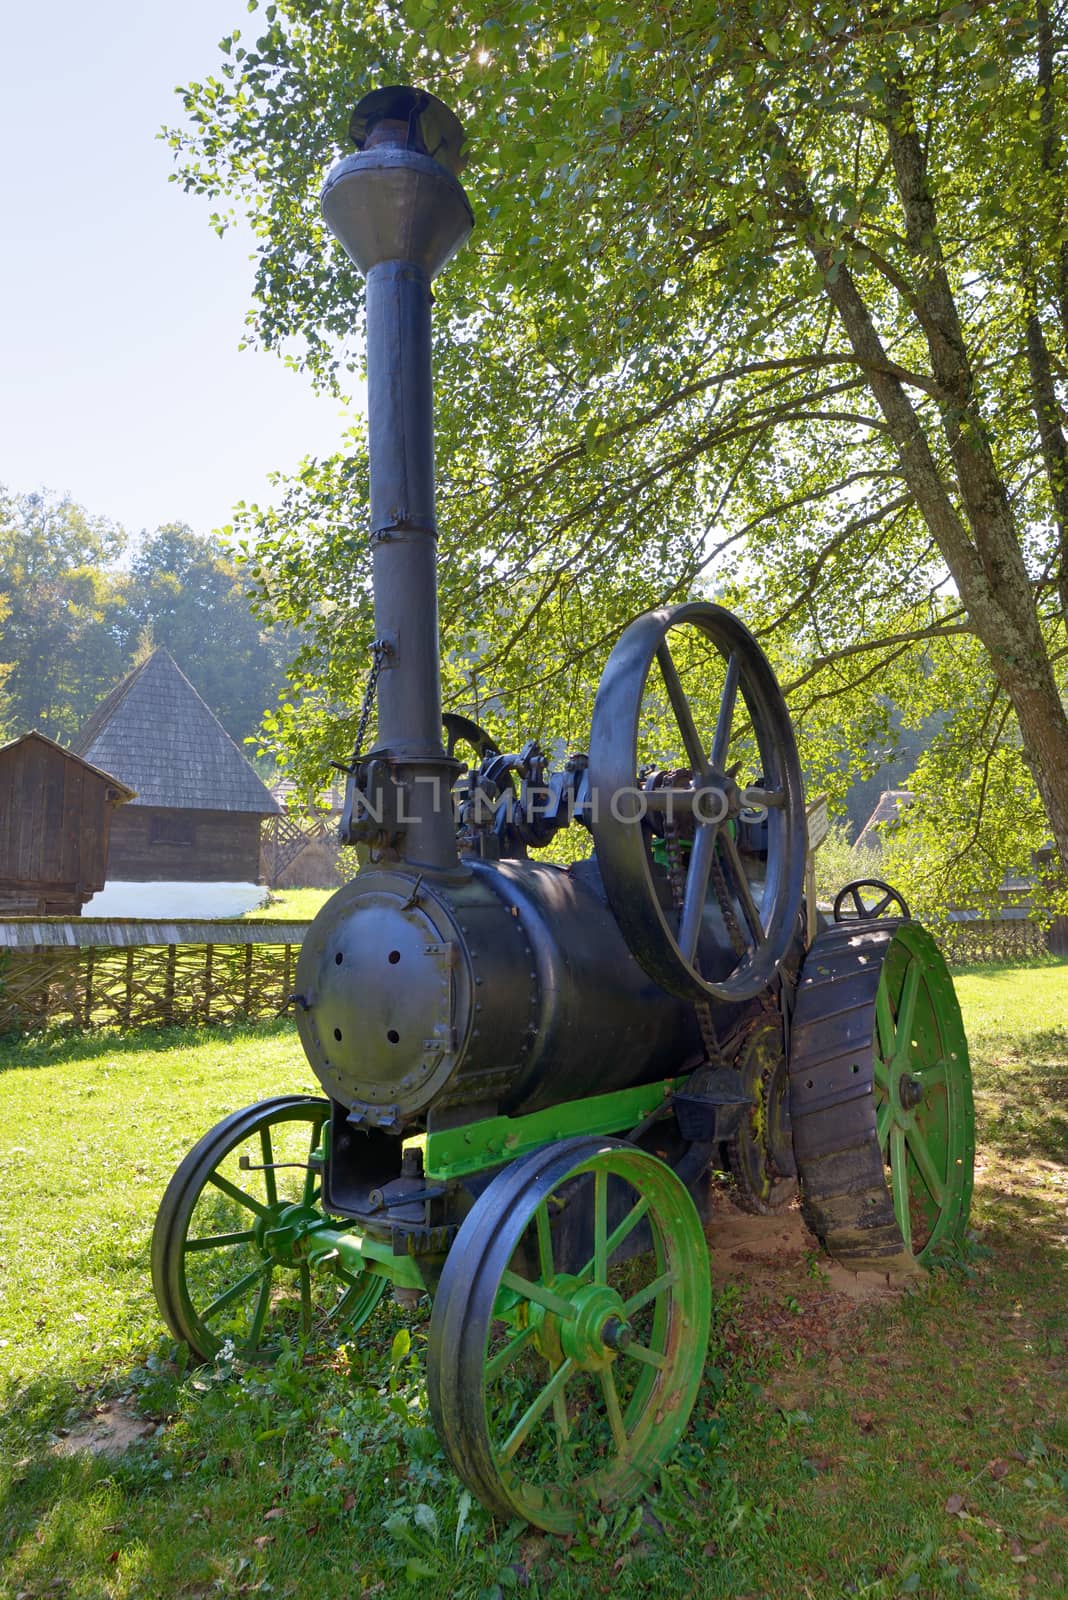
x: 81, y: 602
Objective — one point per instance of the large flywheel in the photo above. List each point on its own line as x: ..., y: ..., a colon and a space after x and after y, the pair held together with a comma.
x: 881, y: 1096
x: 697, y: 799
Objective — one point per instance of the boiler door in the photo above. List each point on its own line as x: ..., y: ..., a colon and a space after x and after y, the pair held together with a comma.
x: 386, y: 991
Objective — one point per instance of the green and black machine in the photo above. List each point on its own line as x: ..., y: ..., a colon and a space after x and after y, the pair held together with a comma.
x: 529, y: 1069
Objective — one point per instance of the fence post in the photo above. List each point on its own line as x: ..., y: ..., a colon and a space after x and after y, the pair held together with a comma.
x: 168, y: 984
x: 248, y: 980
x: 87, y: 1011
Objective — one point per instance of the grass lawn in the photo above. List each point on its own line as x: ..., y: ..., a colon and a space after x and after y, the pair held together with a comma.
x: 906, y: 1445
x: 289, y: 905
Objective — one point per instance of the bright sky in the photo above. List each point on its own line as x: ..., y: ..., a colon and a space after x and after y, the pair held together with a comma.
x: 120, y: 310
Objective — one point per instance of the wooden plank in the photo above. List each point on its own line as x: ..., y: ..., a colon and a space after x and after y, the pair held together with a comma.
x: 818, y: 821
x: 120, y: 932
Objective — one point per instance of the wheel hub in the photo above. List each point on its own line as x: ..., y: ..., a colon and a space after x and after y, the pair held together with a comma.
x: 595, y: 1333
x: 909, y: 1091
x: 281, y: 1232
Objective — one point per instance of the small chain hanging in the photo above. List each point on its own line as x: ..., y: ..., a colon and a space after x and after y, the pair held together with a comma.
x: 379, y: 652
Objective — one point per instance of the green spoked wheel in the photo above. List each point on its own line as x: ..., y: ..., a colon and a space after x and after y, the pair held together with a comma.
x: 760, y: 1151
x: 924, y: 1116
x: 224, y: 1261
x: 569, y: 1331
x: 880, y: 1096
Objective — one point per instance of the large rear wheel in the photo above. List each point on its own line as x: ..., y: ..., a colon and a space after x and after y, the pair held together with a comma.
x: 881, y: 1096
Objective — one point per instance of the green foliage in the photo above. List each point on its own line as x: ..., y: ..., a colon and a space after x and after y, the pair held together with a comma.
x: 64, y: 627
x: 187, y: 589
x: 74, y: 618
x: 645, y: 388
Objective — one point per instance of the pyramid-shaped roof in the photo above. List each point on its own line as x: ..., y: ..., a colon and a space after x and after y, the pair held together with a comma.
x: 155, y: 733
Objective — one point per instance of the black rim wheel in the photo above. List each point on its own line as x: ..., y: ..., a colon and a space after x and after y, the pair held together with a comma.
x: 569, y: 1331
x: 215, y: 1273
x: 881, y: 1097
x: 666, y: 941
x: 851, y: 901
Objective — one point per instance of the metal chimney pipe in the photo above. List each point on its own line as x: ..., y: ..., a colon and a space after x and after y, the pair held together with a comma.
x: 400, y: 213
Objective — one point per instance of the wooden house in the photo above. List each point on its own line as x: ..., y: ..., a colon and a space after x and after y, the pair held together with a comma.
x: 199, y: 806
x: 56, y: 813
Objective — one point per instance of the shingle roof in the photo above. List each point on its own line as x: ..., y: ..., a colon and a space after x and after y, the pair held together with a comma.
x: 155, y: 733
x: 123, y: 792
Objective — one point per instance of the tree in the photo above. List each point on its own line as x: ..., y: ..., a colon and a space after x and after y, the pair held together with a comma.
x: 188, y: 593
x: 771, y: 298
x: 64, y: 628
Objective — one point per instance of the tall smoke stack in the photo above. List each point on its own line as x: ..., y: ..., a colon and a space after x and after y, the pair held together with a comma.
x: 399, y: 211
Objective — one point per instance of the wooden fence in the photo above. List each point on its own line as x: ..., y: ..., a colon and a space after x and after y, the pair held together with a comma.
x: 93, y: 974
x: 1002, y: 939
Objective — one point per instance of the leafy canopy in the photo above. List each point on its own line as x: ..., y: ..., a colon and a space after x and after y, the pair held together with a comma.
x: 647, y: 382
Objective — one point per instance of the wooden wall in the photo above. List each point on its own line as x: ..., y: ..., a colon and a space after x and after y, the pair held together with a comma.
x: 54, y: 818
x: 151, y: 843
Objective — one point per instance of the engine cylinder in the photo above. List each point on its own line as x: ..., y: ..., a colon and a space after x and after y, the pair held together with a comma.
x: 508, y: 988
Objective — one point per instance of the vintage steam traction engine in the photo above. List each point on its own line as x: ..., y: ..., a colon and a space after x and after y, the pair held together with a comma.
x: 531, y: 1068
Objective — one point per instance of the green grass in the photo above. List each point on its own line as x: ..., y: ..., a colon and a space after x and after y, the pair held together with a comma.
x: 918, y: 1446
x: 290, y: 905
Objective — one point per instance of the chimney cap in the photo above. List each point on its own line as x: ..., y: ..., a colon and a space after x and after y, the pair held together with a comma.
x: 433, y: 128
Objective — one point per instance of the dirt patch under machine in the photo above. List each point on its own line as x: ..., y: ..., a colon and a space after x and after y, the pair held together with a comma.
x: 109, y: 1431
x: 789, y: 1287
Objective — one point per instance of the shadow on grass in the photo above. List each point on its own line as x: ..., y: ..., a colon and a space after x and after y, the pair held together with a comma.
x: 1022, y: 1099
x: 55, y: 1048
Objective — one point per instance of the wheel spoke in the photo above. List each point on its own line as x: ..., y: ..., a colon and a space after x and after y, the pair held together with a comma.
x: 882, y: 1075
x: 563, y: 1426
x: 237, y: 1194
x: 858, y: 905
x: 925, y: 1164
x: 899, y: 1178
x: 545, y: 1240
x: 884, y: 1020
x: 884, y: 1117
x: 637, y: 1301
x: 681, y: 707
x: 620, y: 1232
x: 615, y: 1416
x: 239, y: 1288
x: 537, y: 1292
x: 313, y: 1172
x: 906, y: 1011
x: 650, y: 1358
x: 769, y: 799
x: 219, y: 1241
x: 722, y: 737
x: 341, y: 1310
x: 508, y: 1354
x: 263, y: 1301
x: 693, y: 904
x: 268, y: 1168
x: 600, y: 1226
x: 934, y: 1075
x: 305, y: 1299
x: 745, y: 897
x: 534, y: 1410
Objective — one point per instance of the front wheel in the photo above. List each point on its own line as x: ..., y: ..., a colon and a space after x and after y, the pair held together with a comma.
x: 221, y: 1266
x: 569, y: 1331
